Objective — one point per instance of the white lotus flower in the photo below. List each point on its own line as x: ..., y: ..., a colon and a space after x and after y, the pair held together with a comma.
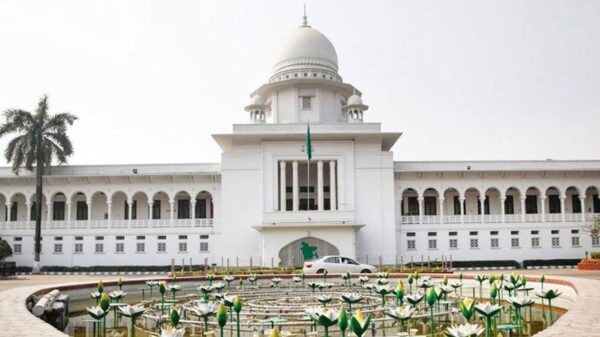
x: 465, y: 330
x: 96, y: 312
x: 117, y: 294
x: 402, y: 313
x: 205, y: 289
x: 446, y: 289
x: 369, y: 286
x: 487, y: 310
x: 383, y: 281
x: 382, y: 275
x: 363, y: 279
x: 351, y: 297
x: 414, y: 298
x: 521, y: 301
x: 174, y: 287
x: 96, y: 294
x: 132, y: 311
x: 151, y: 283
x: 204, y: 309
x: 218, y: 285
x: 172, y: 332
x: 229, y: 278
x: 276, y: 280
x: 296, y: 279
x: 323, y: 298
x: 323, y: 316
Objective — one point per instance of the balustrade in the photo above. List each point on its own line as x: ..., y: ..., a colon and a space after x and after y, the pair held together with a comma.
x: 115, y: 224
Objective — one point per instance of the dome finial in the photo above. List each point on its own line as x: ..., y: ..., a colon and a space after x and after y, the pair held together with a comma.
x: 304, y: 19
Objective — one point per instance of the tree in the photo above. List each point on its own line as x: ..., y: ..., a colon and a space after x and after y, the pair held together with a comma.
x: 5, y: 250
x: 39, y: 139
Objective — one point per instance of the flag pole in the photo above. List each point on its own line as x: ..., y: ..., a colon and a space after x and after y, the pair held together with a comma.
x: 308, y: 186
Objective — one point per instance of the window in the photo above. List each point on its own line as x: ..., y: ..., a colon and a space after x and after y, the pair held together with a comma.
x: 430, y: 205
x: 474, y: 243
x: 156, y: 209
x: 514, y: 242
x: 58, y: 248
x: 432, y: 244
x: 413, y: 206
x: 493, y: 233
x: 574, y: 231
x: 531, y: 204
x: 120, y: 248
x: 140, y: 247
x: 306, y: 102
x: 58, y: 211
x: 58, y: 238
x: 555, y: 242
x: 33, y: 211
x: 99, y: 248
x: 535, y: 242
x: 453, y: 244
x: 553, y: 204
x: 182, y: 237
x: 201, y: 208
x: 595, y: 240
x: 332, y: 259
x: 509, y: 205
x: 162, y: 247
x: 18, y: 238
x: 575, y: 241
x: 486, y: 205
x: 576, y: 203
x: 13, y: 211
x: 204, y: 246
x: 596, y: 202
x: 133, y: 210
x: 162, y: 237
x: 554, y: 232
x: 17, y: 248
x: 203, y: 237
x: 411, y: 245
x: 457, y: 205
x: 140, y: 237
x: 79, y: 238
x: 453, y: 234
x: 431, y: 234
x: 473, y: 233
x: 514, y: 232
x: 183, y: 209
x: 495, y: 243
x: 82, y: 211
x: 99, y: 238
x: 120, y: 238
x: 535, y: 232
x: 182, y: 247
x: 79, y: 248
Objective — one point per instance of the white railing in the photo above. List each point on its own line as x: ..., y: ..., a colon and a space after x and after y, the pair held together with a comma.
x: 495, y: 218
x: 116, y: 224
x: 289, y: 217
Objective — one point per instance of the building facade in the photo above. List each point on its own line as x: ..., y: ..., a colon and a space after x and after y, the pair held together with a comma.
x: 266, y: 200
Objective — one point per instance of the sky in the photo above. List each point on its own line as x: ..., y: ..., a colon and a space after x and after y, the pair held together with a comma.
x: 463, y: 80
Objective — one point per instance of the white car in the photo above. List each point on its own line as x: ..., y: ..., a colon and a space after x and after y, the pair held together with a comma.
x: 336, y: 264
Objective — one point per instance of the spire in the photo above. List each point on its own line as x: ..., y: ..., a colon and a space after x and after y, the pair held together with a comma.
x: 304, y: 19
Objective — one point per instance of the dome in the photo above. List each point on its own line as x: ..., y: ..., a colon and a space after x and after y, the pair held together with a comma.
x: 257, y: 100
x: 355, y: 100
x: 306, y: 48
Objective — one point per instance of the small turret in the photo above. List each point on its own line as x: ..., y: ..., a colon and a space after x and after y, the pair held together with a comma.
x: 354, y: 109
x: 257, y: 109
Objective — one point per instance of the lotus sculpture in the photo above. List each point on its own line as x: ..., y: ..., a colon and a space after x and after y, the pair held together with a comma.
x: 117, y: 295
x: 351, y: 298
x: 549, y: 295
x: 228, y: 279
x: 204, y: 311
x: 464, y: 330
x: 324, y: 317
x: 133, y: 312
x: 97, y: 314
x: 324, y: 299
x: 401, y: 314
x: 383, y: 291
x: 488, y: 311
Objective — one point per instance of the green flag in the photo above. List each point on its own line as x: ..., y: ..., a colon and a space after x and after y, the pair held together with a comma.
x: 308, y: 143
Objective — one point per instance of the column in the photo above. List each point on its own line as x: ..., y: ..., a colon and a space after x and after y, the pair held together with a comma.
x: 109, y: 211
x: 461, y: 201
x: 523, y: 209
x: 332, y: 186
x: 193, y: 208
x: 129, y: 211
x: 562, y: 207
x: 28, y: 205
x: 282, y: 186
x: 442, y: 210
x: 295, y: 192
x: 68, y: 205
x: 89, y: 211
x: 172, y: 212
x: 421, y: 200
x: 320, y: 199
x: 543, y: 204
x: 482, y: 206
x: 150, y: 203
x: 582, y: 201
x: 8, y: 211
x: 502, y: 210
x: 48, y: 212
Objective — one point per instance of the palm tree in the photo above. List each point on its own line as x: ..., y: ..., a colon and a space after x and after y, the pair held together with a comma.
x: 40, y: 138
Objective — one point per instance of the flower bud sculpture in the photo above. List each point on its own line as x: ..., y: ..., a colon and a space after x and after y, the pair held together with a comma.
x: 359, y: 324
x: 343, y: 321
x: 237, y: 307
x: 467, y: 308
x: 222, y: 317
x: 431, y: 298
x: 399, y: 292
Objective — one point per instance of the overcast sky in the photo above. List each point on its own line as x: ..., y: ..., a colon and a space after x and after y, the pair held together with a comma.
x: 152, y: 80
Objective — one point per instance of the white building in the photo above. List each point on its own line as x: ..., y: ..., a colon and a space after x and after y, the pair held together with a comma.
x: 255, y: 204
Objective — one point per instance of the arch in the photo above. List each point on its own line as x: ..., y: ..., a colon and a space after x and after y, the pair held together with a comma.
x: 78, y: 196
x: 532, y: 190
x: 17, y: 196
x: 161, y: 194
x: 550, y: 189
x: 296, y: 252
x: 409, y: 204
x: 409, y: 190
x: 204, y: 208
x: 183, y: 205
x: 161, y: 205
x: 99, y: 202
x: 119, y: 195
x: 18, y: 209
x: 472, y: 205
x: 431, y: 198
x: 512, y: 190
x: 573, y: 188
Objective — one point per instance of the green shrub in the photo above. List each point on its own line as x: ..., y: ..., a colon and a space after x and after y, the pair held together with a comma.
x: 5, y: 250
x: 595, y: 255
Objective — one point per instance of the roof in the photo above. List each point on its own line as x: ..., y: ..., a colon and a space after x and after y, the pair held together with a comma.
x: 497, y: 165
x: 122, y: 170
